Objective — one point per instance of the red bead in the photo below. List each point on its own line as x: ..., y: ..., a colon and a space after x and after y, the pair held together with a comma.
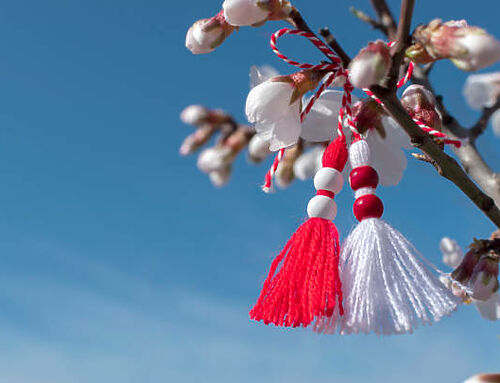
x: 368, y: 206
x: 362, y: 177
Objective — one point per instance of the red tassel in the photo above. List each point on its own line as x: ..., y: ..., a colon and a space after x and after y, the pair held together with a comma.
x: 303, y: 282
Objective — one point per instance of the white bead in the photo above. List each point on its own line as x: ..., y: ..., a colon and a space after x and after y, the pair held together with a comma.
x: 359, y: 154
x: 329, y: 179
x: 322, y: 207
x: 363, y: 191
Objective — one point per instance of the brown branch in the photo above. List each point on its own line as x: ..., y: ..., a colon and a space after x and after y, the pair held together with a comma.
x: 332, y: 43
x: 385, y: 17
x: 296, y: 19
x: 480, y: 126
x: 402, y: 42
x: 367, y: 19
x: 449, y: 166
x: 470, y: 158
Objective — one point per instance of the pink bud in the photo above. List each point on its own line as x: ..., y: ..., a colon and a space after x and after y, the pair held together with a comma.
x: 207, y: 34
x: 421, y: 105
x: 255, y: 12
x: 197, y: 139
x: 469, y: 48
x: 370, y: 66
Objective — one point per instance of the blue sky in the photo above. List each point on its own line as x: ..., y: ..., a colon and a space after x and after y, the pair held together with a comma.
x: 120, y: 262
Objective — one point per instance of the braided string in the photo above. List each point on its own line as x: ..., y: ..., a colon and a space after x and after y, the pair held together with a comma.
x: 421, y: 125
x: 335, y: 70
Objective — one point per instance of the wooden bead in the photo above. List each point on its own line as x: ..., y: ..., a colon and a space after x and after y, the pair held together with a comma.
x: 362, y: 177
x: 368, y: 206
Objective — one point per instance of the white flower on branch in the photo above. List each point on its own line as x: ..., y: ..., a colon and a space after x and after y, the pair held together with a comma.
x: 371, y: 65
x: 495, y: 122
x: 207, y: 34
x: 258, y: 149
x: 274, y: 107
x: 484, y: 294
x: 194, y: 115
x: 308, y: 164
x: 255, y: 12
x: 482, y: 90
x: 469, y: 48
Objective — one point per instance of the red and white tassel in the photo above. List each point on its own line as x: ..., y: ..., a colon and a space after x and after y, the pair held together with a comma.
x: 303, y: 282
x: 387, y: 289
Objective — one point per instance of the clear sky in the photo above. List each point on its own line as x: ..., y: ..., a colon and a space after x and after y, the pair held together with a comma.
x: 119, y: 262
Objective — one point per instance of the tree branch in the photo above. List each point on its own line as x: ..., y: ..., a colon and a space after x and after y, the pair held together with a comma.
x: 449, y: 166
x: 470, y: 158
x: 480, y: 126
x: 385, y: 17
x: 367, y: 19
x: 402, y: 42
x: 298, y: 22
x: 332, y: 43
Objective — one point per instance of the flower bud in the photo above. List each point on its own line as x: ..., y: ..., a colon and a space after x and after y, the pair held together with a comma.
x: 495, y: 122
x: 368, y: 114
x: 484, y: 279
x: 220, y: 177
x: 255, y: 12
x: 284, y: 174
x: 197, y: 139
x: 195, y: 115
x: 452, y: 253
x: 482, y: 90
x: 370, y: 66
x: 215, y: 158
x: 465, y: 269
x: 421, y: 105
x: 469, y: 48
x: 207, y: 34
x: 274, y: 107
x: 307, y: 165
x: 258, y: 149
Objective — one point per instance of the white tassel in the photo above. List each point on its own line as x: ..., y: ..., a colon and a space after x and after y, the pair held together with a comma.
x: 387, y: 288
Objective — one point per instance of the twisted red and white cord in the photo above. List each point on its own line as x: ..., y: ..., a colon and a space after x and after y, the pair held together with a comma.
x: 424, y: 127
x: 335, y: 69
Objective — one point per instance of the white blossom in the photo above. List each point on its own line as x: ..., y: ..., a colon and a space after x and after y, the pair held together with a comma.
x: 495, y: 122
x: 259, y: 74
x: 452, y: 253
x: 482, y: 50
x: 277, y: 119
x: 482, y: 90
x: 452, y: 256
x: 220, y: 177
x: 194, y: 114
x: 244, y: 12
x: 258, y: 149
x: 306, y: 166
x: 370, y: 66
x: 388, y: 157
x: 321, y: 122
x: 214, y: 159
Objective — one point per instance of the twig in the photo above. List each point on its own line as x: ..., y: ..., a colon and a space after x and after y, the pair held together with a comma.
x: 332, y: 42
x: 385, y: 17
x: 298, y: 22
x: 367, y: 19
x: 402, y: 41
x: 480, y: 126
